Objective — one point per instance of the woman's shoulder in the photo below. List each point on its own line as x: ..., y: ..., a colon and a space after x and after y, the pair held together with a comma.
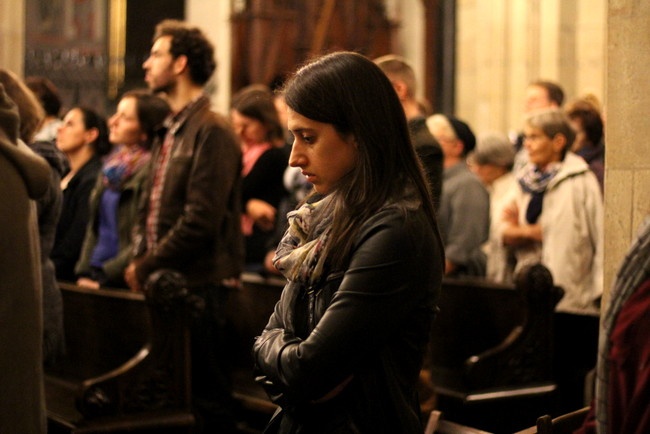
x: 400, y: 219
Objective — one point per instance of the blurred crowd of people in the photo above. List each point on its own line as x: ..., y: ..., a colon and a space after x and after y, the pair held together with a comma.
x: 165, y: 182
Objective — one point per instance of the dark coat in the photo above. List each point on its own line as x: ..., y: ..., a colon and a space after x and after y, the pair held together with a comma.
x: 127, y: 212
x: 72, y: 225
x: 25, y: 176
x: 264, y: 182
x: 430, y: 154
x: 369, y: 323
x: 49, y: 210
x: 199, y: 229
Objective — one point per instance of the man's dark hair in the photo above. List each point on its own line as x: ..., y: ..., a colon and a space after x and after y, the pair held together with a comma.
x: 589, y: 118
x: 256, y: 101
x: 47, y: 93
x: 554, y: 90
x: 189, y: 42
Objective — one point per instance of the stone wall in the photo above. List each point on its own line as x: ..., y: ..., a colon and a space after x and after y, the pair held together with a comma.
x: 502, y: 45
x: 627, y: 172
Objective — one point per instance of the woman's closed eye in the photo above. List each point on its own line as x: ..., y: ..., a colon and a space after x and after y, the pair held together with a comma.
x: 309, y: 139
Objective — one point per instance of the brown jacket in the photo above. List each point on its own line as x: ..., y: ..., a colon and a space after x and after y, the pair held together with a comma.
x: 198, y: 228
x: 25, y: 176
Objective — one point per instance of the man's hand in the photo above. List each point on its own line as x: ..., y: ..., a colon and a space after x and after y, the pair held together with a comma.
x: 262, y: 213
x: 131, y: 278
x: 87, y: 283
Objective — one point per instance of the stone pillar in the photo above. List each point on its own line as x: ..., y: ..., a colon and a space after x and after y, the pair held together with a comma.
x: 12, y: 35
x: 213, y: 18
x: 627, y: 168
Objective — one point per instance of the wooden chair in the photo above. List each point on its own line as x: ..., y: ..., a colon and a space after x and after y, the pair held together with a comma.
x: 492, y: 350
x: 127, y: 367
x: 564, y: 424
x: 437, y: 425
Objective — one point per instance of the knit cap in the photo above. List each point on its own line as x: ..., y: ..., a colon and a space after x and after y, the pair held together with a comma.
x: 463, y: 133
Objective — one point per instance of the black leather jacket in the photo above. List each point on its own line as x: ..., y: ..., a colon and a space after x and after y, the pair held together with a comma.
x: 199, y: 222
x: 367, y: 325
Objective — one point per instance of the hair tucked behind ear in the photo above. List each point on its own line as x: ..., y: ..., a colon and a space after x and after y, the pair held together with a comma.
x: 353, y: 94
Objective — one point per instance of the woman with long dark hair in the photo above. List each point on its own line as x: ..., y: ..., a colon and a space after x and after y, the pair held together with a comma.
x: 343, y: 349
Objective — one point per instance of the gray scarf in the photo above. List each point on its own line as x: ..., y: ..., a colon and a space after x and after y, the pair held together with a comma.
x: 633, y: 271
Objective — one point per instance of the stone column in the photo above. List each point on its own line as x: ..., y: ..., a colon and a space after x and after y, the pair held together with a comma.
x: 213, y: 18
x: 12, y: 35
x: 627, y: 168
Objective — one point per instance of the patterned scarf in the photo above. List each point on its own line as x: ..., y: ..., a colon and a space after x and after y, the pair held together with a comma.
x: 634, y: 270
x: 534, y: 181
x: 122, y: 163
x: 299, y: 255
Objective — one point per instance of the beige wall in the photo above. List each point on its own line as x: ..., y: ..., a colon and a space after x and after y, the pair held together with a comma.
x: 213, y: 17
x: 504, y: 44
x: 12, y: 39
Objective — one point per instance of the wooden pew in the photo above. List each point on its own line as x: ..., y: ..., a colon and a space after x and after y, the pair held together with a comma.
x: 492, y: 351
x: 248, y: 310
x: 127, y: 366
x: 490, y: 344
x: 491, y: 347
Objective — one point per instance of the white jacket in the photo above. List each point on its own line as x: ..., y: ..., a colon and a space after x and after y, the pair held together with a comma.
x: 502, y: 193
x: 572, y: 234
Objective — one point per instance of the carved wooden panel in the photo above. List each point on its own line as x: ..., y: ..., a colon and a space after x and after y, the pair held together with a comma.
x: 272, y: 37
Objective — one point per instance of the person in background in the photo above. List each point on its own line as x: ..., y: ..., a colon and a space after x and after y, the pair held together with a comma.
x: 50, y: 100
x: 190, y: 217
x: 492, y: 162
x: 25, y: 177
x: 557, y: 219
x: 83, y: 138
x: 464, y: 213
x: 48, y: 208
x: 254, y: 118
x: 401, y: 75
x: 587, y: 122
x: 107, y: 247
x: 540, y: 95
x: 364, y: 261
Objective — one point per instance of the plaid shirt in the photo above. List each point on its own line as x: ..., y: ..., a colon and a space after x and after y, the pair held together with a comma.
x: 173, y: 124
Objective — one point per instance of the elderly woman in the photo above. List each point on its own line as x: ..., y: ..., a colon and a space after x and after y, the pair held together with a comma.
x: 492, y: 161
x: 557, y: 220
x: 364, y: 261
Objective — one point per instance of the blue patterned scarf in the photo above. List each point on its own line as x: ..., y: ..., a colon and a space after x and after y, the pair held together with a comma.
x: 534, y: 181
x: 122, y: 163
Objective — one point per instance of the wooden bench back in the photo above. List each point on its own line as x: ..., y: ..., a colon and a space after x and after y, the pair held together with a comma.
x: 127, y: 365
x: 474, y: 315
x: 103, y: 330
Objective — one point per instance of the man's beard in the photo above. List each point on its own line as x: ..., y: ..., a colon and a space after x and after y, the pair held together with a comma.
x: 166, y: 87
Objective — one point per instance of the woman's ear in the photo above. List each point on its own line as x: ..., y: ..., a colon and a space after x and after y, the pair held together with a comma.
x: 559, y: 142
x: 91, y: 135
x: 400, y: 88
